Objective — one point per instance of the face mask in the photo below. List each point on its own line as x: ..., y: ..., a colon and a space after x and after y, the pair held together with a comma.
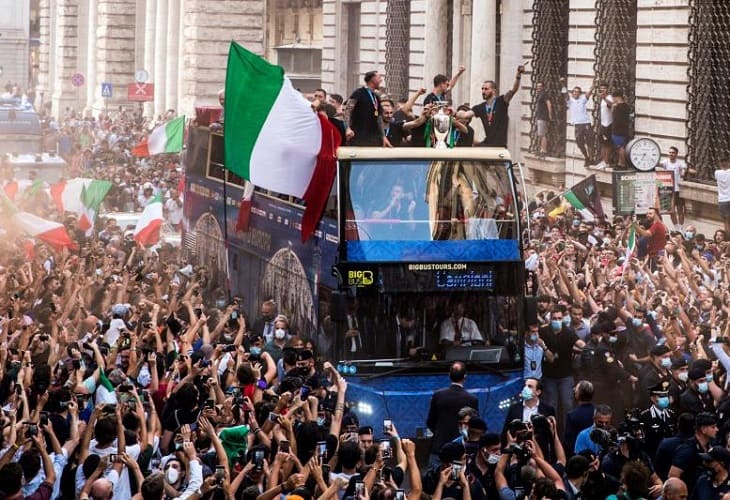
x: 566, y: 320
x: 666, y: 362
x: 220, y: 303
x: 639, y: 278
x: 653, y: 314
x: 613, y: 339
x: 464, y: 431
x: 709, y: 377
x: 533, y: 338
x: 255, y: 350
x: 492, y: 459
x: 703, y: 387
x: 556, y: 325
x: 683, y: 376
x: 526, y: 393
x: 279, y: 333
x: 636, y: 322
x: 172, y: 475
x: 663, y: 403
x: 320, y: 421
x: 576, y: 223
x: 689, y: 235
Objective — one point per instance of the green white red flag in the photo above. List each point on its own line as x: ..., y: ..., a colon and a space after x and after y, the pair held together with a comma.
x: 165, y: 138
x: 147, y: 231
x: 50, y: 232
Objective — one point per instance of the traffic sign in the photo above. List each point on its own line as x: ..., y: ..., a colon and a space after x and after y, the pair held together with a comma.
x: 106, y: 90
x: 77, y: 80
x: 141, y: 76
x: 141, y: 92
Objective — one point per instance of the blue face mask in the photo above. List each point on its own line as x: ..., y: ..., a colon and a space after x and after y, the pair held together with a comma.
x: 533, y: 338
x: 556, y: 325
x: 320, y: 421
x: 663, y: 403
x: 613, y: 339
x: 666, y: 362
x: 703, y: 387
x: 637, y: 322
x: 526, y: 393
x: 653, y: 314
x: 709, y: 377
x: 255, y: 350
x: 566, y: 320
x: 689, y: 235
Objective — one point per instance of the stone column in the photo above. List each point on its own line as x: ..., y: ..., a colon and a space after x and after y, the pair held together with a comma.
x: 159, y: 76
x: 483, y: 57
x: 45, y: 55
x: 149, y: 46
x: 115, y: 49
x: 181, y: 60
x: 171, y: 64
x: 510, y: 58
x: 66, y: 57
x: 92, y: 88
x: 462, y: 49
x: 436, y: 40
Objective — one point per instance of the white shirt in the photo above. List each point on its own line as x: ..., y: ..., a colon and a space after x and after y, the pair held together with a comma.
x: 174, y: 210
x: 606, y: 114
x: 528, y: 412
x: 578, y: 110
x: 678, y: 167
x: 723, y: 185
x: 467, y: 327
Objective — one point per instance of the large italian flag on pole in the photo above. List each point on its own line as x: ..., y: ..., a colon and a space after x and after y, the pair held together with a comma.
x: 149, y: 224
x: 50, y: 232
x: 273, y: 138
x: 165, y: 138
x: 81, y: 196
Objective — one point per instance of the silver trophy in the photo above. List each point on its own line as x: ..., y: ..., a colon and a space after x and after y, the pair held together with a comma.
x: 441, y: 125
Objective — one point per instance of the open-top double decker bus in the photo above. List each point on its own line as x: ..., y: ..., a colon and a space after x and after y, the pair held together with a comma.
x: 416, y: 244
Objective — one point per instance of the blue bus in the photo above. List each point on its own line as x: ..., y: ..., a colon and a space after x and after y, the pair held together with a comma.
x: 416, y: 263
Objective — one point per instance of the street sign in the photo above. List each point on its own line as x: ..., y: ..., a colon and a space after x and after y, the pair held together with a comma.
x: 141, y: 92
x: 77, y: 80
x: 106, y: 90
x: 141, y: 76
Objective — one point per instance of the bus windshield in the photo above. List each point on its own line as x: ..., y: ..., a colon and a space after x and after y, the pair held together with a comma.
x: 426, y: 206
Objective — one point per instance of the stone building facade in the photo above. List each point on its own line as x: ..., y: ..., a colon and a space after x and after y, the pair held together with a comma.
x: 15, y: 42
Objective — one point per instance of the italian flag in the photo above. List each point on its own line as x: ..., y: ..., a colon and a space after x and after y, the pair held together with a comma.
x: 81, y: 196
x: 630, y: 243
x: 52, y: 233
x: 147, y: 232
x: 165, y: 138
x: 273, y: 138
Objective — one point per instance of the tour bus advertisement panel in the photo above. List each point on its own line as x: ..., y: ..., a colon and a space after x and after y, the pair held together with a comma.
x: 428, y: 211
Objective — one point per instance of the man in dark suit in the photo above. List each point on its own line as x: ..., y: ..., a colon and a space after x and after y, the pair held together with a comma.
x: 445, y: 405
x: 576, y: 473
x: 581, y: 416
x: 529, y: 404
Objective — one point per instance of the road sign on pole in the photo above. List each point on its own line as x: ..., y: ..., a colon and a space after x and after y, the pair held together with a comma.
x: 106, y: 90
x: 141, y: 92
x: 77, y: 80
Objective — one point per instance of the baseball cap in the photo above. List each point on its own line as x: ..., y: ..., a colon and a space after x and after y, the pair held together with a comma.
x: 704, y: 419
x: 696, y: 373
x: 678, y: 363
x: 660, y: 350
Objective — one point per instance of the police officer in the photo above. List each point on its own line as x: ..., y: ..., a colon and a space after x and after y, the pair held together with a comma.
x: 610, y: 379
x: 696, y: 398
x: 588, y: 354
x: 653, y: 372
x: 658, y: 420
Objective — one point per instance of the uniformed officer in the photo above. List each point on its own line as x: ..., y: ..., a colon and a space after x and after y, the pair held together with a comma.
x: 696, y: 398
x: 658, y: 419
x: 611, y: 381
x: 654, y: 372
x: 588, y: 354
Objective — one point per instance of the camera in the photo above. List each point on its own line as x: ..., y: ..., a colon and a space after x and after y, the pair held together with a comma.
x: 540, y: 424
x: 603, y: 438
x: 522, y: 453
x: 258, y: 460
x: 456, y: 468
x: 284, y: 446
x: 230, y: 348
x: 385, y: 448
x: 387, y: 425
x: 63, y: 405
x: 44, y: 418
x: 322, y: 449
x: 76, y: 364
x: 220, y: 475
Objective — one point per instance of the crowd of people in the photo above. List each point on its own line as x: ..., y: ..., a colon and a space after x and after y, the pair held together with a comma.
x: 125, y: 374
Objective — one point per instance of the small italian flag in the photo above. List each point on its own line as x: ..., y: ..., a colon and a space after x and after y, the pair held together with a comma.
x: 147, y: 232
x: 91, y: 197
x: 165, y: 138
x: 52, y: 233
x: 272, y: 136
x: 630, y: 243
x: 81, y: 196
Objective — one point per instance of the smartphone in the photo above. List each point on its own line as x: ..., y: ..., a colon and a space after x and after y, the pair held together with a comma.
x: 258, y: 460
x: 234, y: 315
x: 132, y: 404
x: 44, y: 418
x: 220, y: 475
x: 359, y: 488
x: 273, y: 417
x: 229, y: 348
x: 387, y: 425
x: 210, y: 403
x: 76, y: 364
x: 385, y: 448
x: 32, y: 430
x: 305, y: 392
x: 284, y: 446
x: 125, y: 388
x: 114, y: 458
x: 322, y: 449
x: 455, y: 470
x: 400, y: 494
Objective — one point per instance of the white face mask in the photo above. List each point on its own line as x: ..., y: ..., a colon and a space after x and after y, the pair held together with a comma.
x: 172, y: 475
x: 492, y: 459
x: 280, y: 333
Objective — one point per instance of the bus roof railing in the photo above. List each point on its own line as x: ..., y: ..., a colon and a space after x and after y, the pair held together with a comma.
x: 407, y: 153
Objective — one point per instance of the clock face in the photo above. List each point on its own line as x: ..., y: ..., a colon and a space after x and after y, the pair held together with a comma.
x: 643, y: 153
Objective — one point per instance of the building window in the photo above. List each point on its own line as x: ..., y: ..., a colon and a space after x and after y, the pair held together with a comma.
x: 302, y: 64
x: 708, y: 90
x: 615, y: 62
x: 549, y: 63
x: 397, y: 46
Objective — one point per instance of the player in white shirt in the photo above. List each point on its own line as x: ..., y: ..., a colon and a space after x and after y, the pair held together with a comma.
x: 679, y: 168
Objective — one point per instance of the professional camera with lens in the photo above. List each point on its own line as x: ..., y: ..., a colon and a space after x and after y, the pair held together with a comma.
x: 540, y: 424
x: 632, y: 427
x: 603, y: 438
x: 522, y: 453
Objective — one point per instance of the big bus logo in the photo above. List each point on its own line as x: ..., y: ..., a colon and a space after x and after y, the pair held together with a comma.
x: 359, y: 278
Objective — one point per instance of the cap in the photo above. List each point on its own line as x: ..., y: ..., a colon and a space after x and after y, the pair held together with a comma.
x: 703, y: 364
x: 489, y: 439
x: 660, y: 389
x: 660, y: 350
x: 477, y: 424
x: 717, y: 453
x: 696, y: 373
x: 705, y: 419
x: 451, y: 452
x: 678, y: 363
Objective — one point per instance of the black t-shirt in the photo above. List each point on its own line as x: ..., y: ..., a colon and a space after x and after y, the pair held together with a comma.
x: 495, y: 120
x: 464, y: 140
x: 687, y: 458
x: 394, y: 132
x: 541, y: 108
x: 621, y: 120
x: 561, y: 345
x: 418, y: 136
x: 364, y: 118
x: 433, y: 98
